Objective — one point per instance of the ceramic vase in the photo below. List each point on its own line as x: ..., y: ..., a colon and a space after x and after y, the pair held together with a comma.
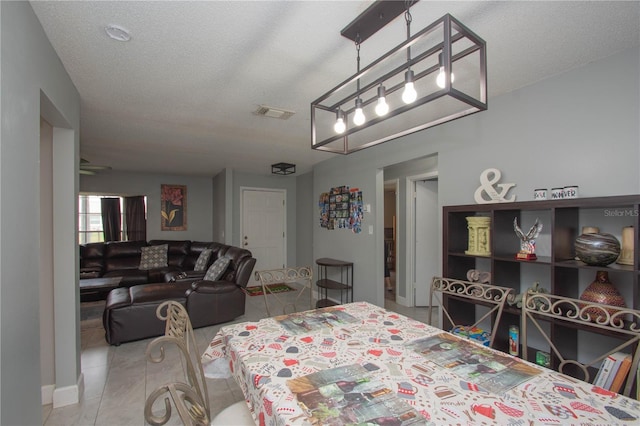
x: 601, y: 290
x: 597, y: 249
x: 626, y: 254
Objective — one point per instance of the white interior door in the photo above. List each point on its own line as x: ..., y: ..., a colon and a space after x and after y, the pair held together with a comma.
x: 263, y: 227
x: 426, y: 238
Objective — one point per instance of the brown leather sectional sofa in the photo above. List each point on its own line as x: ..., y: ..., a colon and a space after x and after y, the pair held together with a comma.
x: 122, y: 259
x: 130, y: 310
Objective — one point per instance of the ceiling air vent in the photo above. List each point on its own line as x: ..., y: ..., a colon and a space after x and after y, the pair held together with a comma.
x: 272, y: 112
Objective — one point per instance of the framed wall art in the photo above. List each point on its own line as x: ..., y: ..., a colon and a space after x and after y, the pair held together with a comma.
x: 173, y: 207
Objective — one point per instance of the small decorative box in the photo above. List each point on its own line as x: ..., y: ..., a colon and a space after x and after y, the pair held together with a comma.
x: 543, y: 359
x: 474, y: 333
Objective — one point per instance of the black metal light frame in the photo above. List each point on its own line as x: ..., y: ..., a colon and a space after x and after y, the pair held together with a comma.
x: 283, y: 169
x: 339, y: 143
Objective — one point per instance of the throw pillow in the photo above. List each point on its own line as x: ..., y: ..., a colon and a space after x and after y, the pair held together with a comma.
x: 153, y: 257
x: 216, y: 270
x: 203, y: 259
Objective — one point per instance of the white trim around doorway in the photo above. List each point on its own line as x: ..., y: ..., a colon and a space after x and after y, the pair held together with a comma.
x: 410, y: 237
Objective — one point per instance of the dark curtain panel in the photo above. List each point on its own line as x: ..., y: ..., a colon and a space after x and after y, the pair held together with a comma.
x: 110, y: 208
x: 135, y: 218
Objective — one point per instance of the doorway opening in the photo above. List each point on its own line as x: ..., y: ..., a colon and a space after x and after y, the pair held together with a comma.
x: 423, y: 237
x: 402, y: 178
x: 390, y: 238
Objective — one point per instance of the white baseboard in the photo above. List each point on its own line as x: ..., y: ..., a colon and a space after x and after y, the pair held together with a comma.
x: 404, y: 301
x: 68, y: 395
x: 47, y: 394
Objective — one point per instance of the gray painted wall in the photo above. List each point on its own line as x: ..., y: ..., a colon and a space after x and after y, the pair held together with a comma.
x: 343, y: 244
x: 411, y: 167
x: 219, y: 217
x: 199, y: 200
x: 577, y: 128
x: 228, y: 206
x: 306, y: 215
x: 29, y: 67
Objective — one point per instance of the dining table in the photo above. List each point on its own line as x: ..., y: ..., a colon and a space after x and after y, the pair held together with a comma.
x: 361, y: 364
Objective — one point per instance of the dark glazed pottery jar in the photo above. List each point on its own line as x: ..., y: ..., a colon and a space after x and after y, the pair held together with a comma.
x: 597, y: 249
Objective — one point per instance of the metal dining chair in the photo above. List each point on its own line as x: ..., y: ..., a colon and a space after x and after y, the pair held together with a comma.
x: 492, y: 296
x: 301, y: 277
x: 189, y: 396
x: 541, y: 309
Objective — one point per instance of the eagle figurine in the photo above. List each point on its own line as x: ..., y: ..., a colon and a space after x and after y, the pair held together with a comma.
x: 528, y: 241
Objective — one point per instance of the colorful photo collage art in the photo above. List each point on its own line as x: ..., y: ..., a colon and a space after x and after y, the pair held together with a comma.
x: 341, y: 208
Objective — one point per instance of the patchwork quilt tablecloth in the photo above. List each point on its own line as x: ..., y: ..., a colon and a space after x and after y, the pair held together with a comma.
x: 361, y: 364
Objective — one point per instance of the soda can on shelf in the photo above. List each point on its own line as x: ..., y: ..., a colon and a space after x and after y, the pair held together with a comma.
x: 514, y: 340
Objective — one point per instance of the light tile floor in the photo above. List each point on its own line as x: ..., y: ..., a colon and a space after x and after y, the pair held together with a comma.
x: 118, y: 379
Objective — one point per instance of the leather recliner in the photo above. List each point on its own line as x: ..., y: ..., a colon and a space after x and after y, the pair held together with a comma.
x: 130, y: 312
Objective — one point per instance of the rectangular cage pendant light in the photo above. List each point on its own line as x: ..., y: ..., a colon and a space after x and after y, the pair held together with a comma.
x: 449, y: 68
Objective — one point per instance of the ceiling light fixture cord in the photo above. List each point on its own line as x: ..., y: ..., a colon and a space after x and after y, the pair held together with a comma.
x: 408, y: 18
x: 409, y: 94
x: 358, y: 56
x: 358, y: 62
x: 358, y: 116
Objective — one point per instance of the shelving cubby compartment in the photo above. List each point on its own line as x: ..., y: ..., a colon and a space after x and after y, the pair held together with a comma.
x: 335, y: 278
x: 556, y: 268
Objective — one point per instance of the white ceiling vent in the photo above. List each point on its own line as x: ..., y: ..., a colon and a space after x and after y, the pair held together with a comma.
x: 272, y: 112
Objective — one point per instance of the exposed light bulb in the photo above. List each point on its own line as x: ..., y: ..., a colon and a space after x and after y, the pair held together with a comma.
x: 409, y: 94
x: 441, y: 77
x: 358, y: 117
x: 340, y: 125
x: 382, y: 108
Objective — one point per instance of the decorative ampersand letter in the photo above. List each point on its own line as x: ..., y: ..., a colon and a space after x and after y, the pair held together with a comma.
x: 488, y: 182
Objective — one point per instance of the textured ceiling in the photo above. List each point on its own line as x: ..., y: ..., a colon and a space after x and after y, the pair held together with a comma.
x: 179, y: 97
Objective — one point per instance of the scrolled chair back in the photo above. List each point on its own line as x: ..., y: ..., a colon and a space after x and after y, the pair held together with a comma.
x: 189, y: 397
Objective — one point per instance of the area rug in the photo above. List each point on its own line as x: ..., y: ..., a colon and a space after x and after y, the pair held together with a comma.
x: 91, y: 310
x: 273, y: 288
x: 91, y: 314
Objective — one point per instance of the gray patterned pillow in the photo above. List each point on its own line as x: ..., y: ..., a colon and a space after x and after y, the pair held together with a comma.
x: 153, y: 257
x: 203, y: 259
x: 216, y: 270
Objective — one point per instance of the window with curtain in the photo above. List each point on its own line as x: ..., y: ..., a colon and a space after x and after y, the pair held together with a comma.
x: 111, y: 218
x: 136, y: 218
x: 129, y: 225
x: 90, y: 228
